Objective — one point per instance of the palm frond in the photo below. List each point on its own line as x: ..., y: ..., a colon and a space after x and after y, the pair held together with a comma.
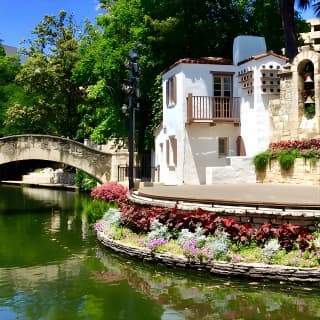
x: 316, y: 8
x: 304, y: 4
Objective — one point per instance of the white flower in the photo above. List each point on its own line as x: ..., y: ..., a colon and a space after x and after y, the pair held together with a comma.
x: 271, y: 248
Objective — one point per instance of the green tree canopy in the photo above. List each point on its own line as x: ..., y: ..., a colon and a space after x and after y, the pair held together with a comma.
x: 101, y: 68
x: 10, y: 93
x: 47, y: 77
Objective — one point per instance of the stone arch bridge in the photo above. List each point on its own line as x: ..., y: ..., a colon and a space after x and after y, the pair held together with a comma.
x: 51, y: 148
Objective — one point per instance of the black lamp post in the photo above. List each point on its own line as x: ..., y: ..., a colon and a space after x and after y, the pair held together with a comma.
x: 133, y: 97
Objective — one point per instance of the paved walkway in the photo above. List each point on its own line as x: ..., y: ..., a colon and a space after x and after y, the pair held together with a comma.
x: 274, y: 195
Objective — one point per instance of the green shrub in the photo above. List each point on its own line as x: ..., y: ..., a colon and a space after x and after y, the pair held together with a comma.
x: 312, y: 155
x: 286, y: 160
x: 96, y: 209
x: 118, y: 233
x: 287, y: 151
x: 261, y: 161
x: 85, y: 182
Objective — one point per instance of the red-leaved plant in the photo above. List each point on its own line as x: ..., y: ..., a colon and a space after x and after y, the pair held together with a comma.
x: 110, y: 191
x: 300, y: 145
x: 238, y: 232
x: 264, y: 233
x: 138, y: 218
x: 287, y: 235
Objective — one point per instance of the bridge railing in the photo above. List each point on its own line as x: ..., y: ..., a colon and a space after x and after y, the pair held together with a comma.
x: 145, y: 173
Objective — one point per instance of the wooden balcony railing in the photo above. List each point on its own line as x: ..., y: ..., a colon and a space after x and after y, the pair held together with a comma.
x: 213, y: 109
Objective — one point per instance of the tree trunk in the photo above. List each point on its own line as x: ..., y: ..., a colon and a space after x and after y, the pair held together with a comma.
x: 288, y: 24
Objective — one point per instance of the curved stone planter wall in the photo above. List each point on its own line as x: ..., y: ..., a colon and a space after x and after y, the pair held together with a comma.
x: 304, y: 218
x: 250, y: 270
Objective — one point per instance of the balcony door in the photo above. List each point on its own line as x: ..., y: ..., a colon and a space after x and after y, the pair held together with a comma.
x: 222, y: 85
x: 222, y: 95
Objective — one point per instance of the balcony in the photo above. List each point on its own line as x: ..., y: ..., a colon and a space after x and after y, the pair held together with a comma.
x: 213, y: 110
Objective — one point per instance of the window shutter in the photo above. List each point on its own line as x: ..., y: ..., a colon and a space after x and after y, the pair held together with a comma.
x: 167, y: 92
x: 174, y: 90
x: 241, y: 149
x: 168, y: 151
x: 175, y: 150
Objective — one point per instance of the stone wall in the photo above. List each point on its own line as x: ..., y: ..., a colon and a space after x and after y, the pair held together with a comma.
x: 254, y: 216
x: 287, y: 118
x: 249, y: 270
x: 303, y: 172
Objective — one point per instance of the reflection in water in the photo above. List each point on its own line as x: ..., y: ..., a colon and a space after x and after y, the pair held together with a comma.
x: 55, y: 222
x: 194, y: 296
x: 52, y: 267
x: 31, y: 277
x: 52, y: 196
x: 84, y: 226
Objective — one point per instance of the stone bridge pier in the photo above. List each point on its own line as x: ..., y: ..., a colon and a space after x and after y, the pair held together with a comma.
x: 97, y: 164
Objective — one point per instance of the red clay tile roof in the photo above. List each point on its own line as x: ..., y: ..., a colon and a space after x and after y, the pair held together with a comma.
x: 201, y: 60
x: 263, y: 55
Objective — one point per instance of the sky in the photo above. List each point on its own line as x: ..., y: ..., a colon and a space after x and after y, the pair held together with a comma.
x: 19, y: 17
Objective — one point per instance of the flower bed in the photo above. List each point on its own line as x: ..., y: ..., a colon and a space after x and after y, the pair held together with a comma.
x: 139, y: 219
x: 239, y: 269
x: 186, y: 234
x: 203, y: 239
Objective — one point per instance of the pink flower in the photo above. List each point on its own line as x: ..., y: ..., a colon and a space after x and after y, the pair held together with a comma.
x: 154, y: 244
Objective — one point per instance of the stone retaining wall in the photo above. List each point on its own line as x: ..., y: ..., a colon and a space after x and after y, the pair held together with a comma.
x: 249, y: 270
x: 303, y: 172
x: 256, y: 217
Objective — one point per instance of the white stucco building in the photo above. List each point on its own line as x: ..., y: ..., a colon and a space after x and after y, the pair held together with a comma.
x: 9, y: 50
x: 215, y: 115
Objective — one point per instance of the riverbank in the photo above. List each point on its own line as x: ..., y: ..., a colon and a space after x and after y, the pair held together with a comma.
x: 258, y: 271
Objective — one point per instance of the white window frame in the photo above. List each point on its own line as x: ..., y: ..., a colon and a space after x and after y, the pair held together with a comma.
x: 226, y: 80
x: 171, y: 91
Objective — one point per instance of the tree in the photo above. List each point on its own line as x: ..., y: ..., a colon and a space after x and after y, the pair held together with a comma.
x: 2, y: 51
x: 10, y: 93
x: 25, y: 119
x: 102, y: 70
x: 316, y: 7
x: 260, y: 13
x: 287, y: 10
x: 47, y: 75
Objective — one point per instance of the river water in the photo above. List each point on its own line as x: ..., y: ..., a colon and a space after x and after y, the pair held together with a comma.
x: 52, y: 267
